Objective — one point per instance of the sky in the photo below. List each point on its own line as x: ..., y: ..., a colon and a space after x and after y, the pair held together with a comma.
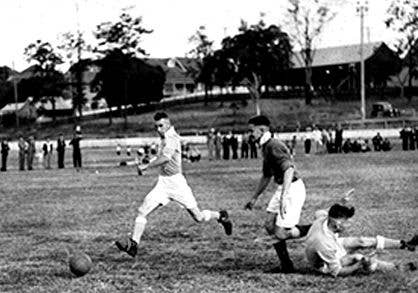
x: 173, y: 22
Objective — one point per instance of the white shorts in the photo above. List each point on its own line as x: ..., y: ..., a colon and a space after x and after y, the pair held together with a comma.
x: 168, y: 188
x: 294, y: 202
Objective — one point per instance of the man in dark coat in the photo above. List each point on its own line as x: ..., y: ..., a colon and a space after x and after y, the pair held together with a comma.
x: 61, y: 151
x: 75, y: 142
x: 4, y: 153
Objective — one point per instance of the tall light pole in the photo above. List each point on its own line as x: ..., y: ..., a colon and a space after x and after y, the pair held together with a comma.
x: 361, y: 10
x: 15, y: 95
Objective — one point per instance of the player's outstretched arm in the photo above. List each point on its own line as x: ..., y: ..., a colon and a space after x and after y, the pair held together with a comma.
x: 262, y: 185
x: 154, y: 162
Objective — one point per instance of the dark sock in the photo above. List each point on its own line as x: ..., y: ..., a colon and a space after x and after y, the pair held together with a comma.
x: 303, y: 229
x: 283, y: 254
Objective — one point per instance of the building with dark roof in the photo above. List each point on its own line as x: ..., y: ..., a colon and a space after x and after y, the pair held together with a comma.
x: 337, y: 69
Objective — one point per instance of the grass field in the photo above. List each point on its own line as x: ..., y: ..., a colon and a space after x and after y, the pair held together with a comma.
x: 42, y: 212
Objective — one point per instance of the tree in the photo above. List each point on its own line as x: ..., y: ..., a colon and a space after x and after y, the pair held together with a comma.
x: 306, y: 21
x: 253, y: 57
x: 73, y: 45
x: 403, y: 19
x: 124, y: 35
x: 121, y: 73
x: 202, y: 51
x: 121, y: 37
x: 47, y: 78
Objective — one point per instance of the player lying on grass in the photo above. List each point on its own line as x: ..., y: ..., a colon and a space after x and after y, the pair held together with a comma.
x: 337, y: 256
x: 285, y: 206
x: 171, y: 186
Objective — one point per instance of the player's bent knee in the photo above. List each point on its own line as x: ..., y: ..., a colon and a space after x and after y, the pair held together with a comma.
x: 140, y: 219
x: 281, y: 233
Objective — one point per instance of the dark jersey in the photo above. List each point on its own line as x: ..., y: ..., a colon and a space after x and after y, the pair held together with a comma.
x: 276, y: 160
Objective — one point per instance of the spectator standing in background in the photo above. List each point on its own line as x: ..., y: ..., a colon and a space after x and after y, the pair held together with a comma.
x: 244, y: 145
x: 4, y: 153
x: 234, y: 145
x: 75, y: 142
x: 218, y: 145
x: 338, y: 138
x: 405, y: 134
x: 22, y: 153
x: 226, y: 146
x: 325, y: 140
x: 308, y: 140
x: 253, y: 146
x: 47, y: 153
x: 293, y: 144
x: 416, y: 136
x: 210, y: 142
x: 61, y: 151
x: 31, y: 152
x: 317, y: 139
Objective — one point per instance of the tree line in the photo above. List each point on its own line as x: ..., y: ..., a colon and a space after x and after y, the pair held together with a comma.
x: 256, y: 57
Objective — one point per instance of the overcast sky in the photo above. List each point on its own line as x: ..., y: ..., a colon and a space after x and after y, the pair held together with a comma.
x: 173, y: 22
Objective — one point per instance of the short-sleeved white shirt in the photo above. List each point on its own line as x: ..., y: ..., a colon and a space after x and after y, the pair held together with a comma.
x: 170, y: 147
x: 324, y: 249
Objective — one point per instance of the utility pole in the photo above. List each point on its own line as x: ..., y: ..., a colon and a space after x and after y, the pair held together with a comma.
x: 78, y: 67
x: 15, y: 95
x: 361, y: 10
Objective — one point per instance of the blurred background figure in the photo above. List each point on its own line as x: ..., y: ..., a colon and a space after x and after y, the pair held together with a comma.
x: 47, y: 153
x: 244, y: 145
x: 118, y: 149
x: 22, y: 152
x: 386, y: 145
x: 226, y: 146
x: 210, y: 143
x: 31, y: 151
x: 377, y: 141
x: 234, y: 145
x: 338, y: 138
x: 317, y: 139
x: 75, y: 142
x: 61, y: 151
x: 4, y: 154
x: 308, y: 140
x: 253, y: 145
x: 218, y: 145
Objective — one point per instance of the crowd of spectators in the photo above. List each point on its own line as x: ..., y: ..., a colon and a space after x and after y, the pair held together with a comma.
x: 28, y: 152
x: 226, y: 146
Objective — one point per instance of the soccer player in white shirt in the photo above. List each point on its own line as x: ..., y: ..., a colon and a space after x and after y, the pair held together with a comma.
x: 171, y: 186
x: 330, y: 254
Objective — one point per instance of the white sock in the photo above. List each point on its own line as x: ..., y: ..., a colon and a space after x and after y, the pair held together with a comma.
x: 139, y: 228
x: 208, y: 215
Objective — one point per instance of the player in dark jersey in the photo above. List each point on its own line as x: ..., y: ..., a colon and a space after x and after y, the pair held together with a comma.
x: 286, y: 203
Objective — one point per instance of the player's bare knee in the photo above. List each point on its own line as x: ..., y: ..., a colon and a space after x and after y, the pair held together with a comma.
x: 281, y: 233
x: 270, y: 227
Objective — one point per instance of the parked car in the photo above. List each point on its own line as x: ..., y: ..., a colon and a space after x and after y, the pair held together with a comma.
x: 384, y: 109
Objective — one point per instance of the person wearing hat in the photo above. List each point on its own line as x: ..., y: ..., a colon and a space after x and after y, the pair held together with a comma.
x: 285, y: 206
x: 328, y: 253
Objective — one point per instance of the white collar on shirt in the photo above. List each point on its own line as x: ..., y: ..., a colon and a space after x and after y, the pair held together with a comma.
x: 265, y: 137
x: 170, y: 131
